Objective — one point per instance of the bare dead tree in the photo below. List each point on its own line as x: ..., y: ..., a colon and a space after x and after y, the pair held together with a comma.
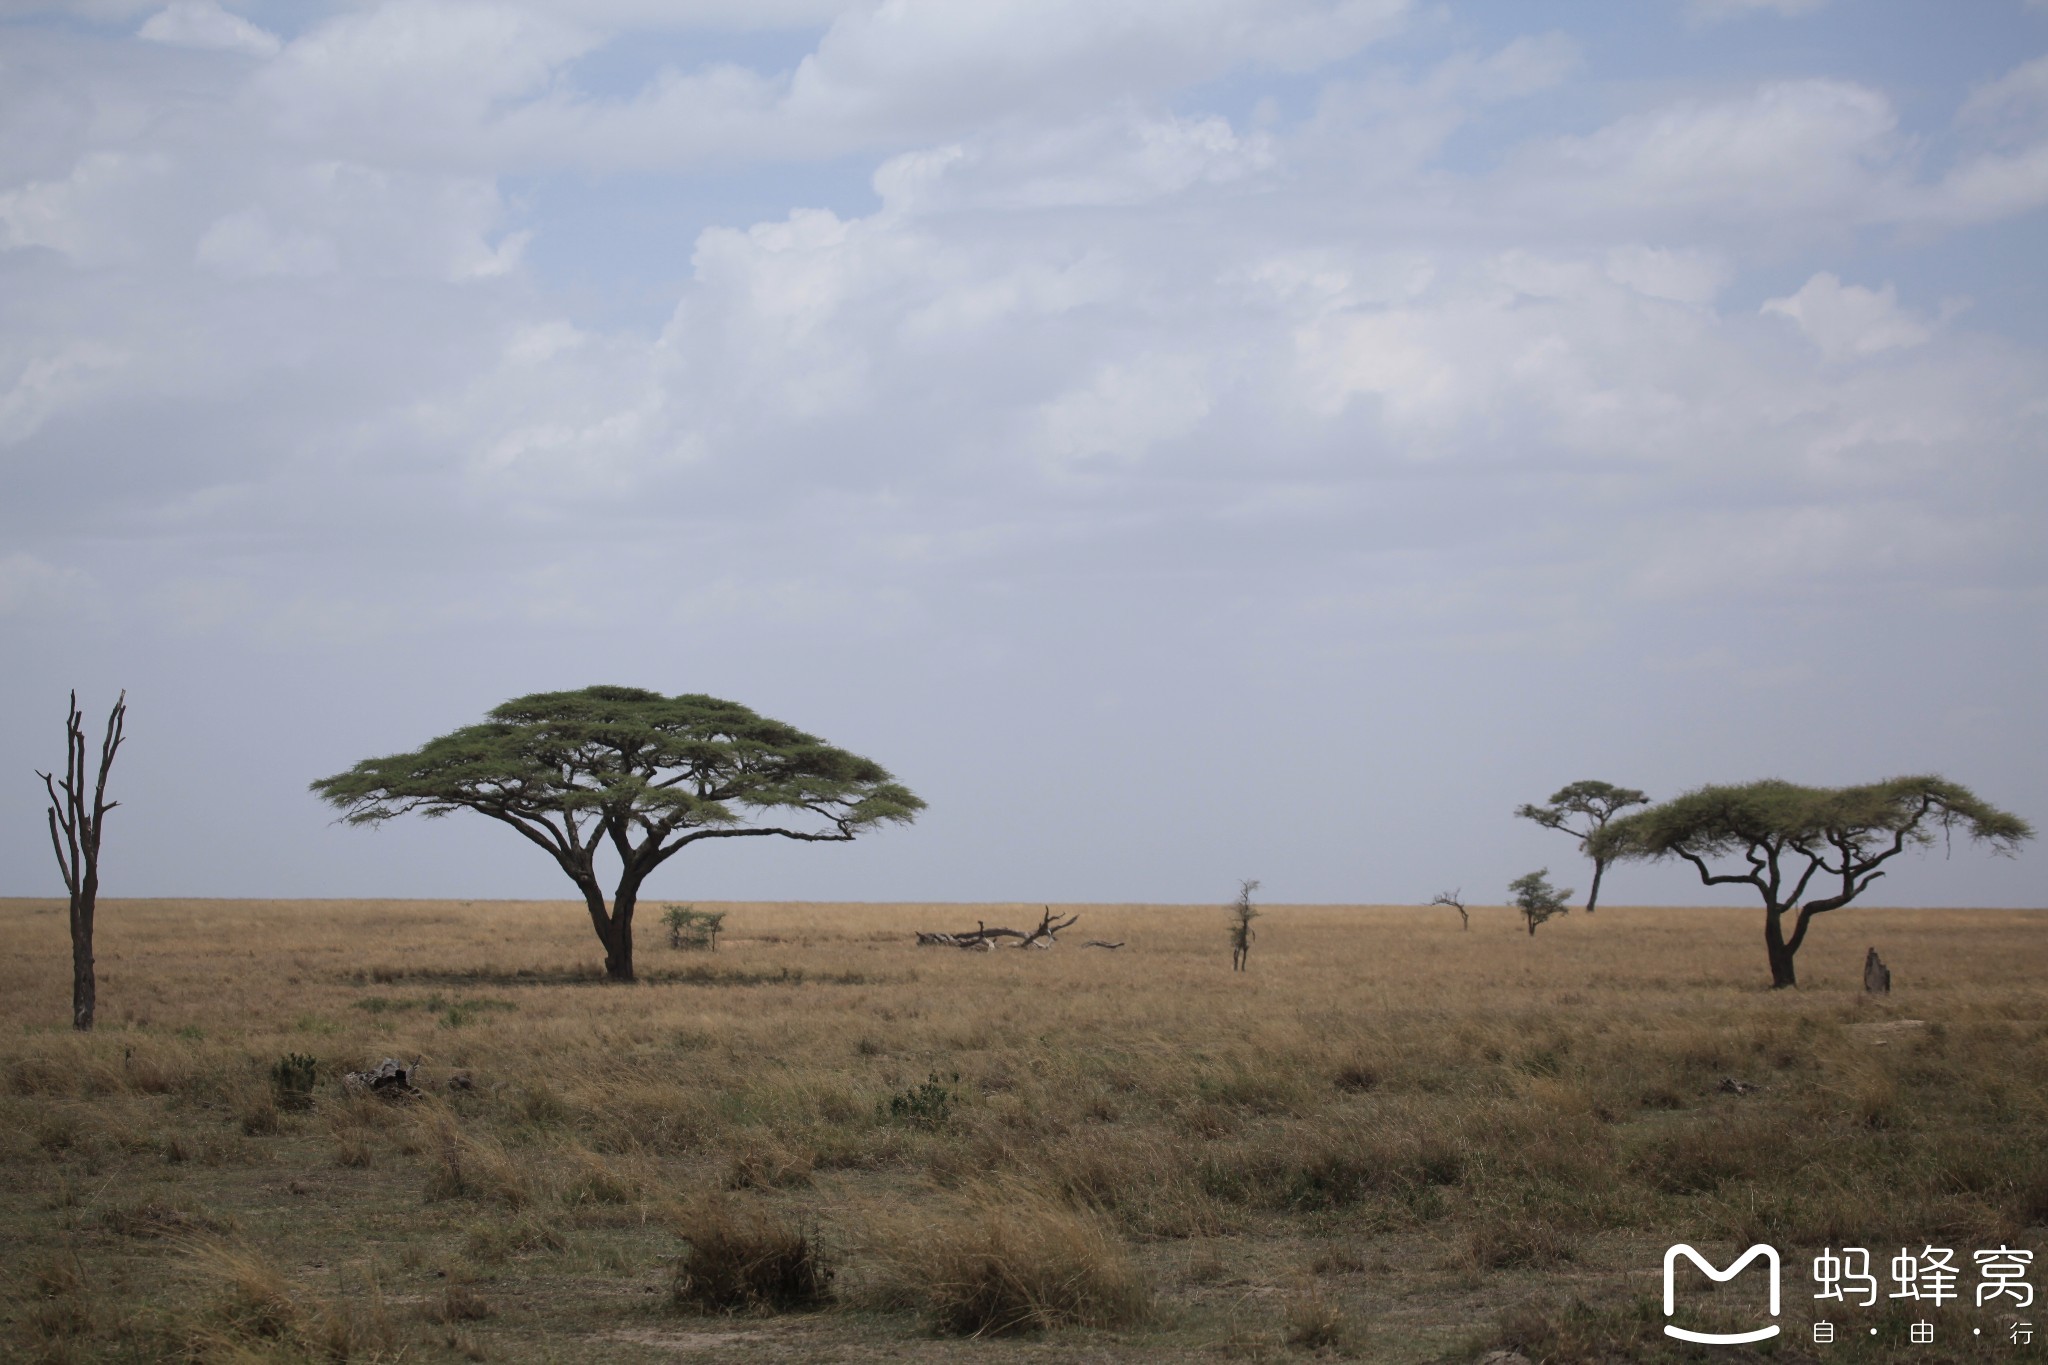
x: 982, y: 938
x: 75, y: 827
x: 1455, y: 900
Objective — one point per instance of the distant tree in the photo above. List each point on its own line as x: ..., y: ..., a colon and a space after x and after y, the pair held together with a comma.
x: 75, y: 827
x: 1454, y: 899
x: 634, y: 771
x: 1785, y: 835
x: 689, y: 927
x: 1537, y: 899
x: 1241, y: 934
x: 1583, y: 810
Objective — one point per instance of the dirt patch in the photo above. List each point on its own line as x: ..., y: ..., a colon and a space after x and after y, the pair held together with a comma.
x: 686, y: 1341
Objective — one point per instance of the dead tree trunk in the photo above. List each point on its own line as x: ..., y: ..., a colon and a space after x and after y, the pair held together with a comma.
x: 75, y: 835
x: 982, y: 938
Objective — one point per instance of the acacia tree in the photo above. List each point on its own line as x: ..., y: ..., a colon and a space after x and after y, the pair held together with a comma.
x: 75, y: 826
x: 1786, y: 835
x: 1241, y: 933
x: 635, y: 772
x: 1591, y: 805
x: 1537, y: 899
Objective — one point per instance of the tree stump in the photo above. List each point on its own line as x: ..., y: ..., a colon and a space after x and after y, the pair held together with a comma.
x: 1877, y: 978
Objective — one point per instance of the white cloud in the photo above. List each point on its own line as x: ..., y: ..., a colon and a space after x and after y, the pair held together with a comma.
x: 2018, y: 98
x: 245, y: 245
x: 1127, y: 408
x: 1717, y: 10
x: 97, y: 214
x: 1526, y: 66
x: 77, y: 9
x: 1123, y: 157
x: 407, y: 78
x: 1789, y: 150
x: 1682, y: 275
x: 48, y: 384
x: 921, y: 59
x: 482, y: 84
x: 1984, y: 189
x: 1847, y: 320
x: 204, y: 24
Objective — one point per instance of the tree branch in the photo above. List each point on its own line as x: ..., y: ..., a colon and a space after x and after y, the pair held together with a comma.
x: 1711, y: 878
x: 663, y: 854
x: 1812, y: 865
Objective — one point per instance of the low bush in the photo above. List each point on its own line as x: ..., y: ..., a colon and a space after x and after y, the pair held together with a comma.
x: 1009, y: 1261
x: 291, y: 1082
x: 746, y: 1259
x: 927, y: 1104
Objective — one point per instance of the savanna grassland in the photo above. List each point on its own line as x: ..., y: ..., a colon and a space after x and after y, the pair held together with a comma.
x: 1390, y: 1139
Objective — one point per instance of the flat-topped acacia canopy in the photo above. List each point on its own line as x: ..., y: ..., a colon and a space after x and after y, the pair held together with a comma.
x: 1787, y: 834
x: 644, y: 774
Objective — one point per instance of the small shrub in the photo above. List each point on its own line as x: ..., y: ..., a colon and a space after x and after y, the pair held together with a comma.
x: 765, y: 1163
x: 259, y: 1116
x: 1316, y: 1322
x: 689, y: 927
x: 1338, y: 1260
x: 1014, y: 1262
x: 596, y: 1181
x: 927, y: 1104
x: 736, y: 1260
x: 538, y: 1103
x: 460, y: 1302
x: 62, y: 1299
x: 291, y: 1082
x: 1357, y: 1077
x: 1505, y: 1239
x: 250, y: 1298
x: 245, y: 1308
x: 474, y: 1168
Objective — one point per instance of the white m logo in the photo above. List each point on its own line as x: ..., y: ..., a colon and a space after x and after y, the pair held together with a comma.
x: 1671, y: 1256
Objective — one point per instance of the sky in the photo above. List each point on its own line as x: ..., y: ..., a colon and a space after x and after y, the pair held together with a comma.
x: 1183, y: 440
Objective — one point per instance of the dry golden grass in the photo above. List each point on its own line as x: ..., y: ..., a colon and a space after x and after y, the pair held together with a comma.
x: 1389, y: 1138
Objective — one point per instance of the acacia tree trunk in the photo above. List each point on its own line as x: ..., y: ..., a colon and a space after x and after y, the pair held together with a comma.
x: 1593, y: 896
x: 613, y: 923
x: 618, y: 962
x: 1779, y: 951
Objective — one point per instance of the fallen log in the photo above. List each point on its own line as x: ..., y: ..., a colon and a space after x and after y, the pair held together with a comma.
x: 1098, y: 943
x: 983, y: 938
